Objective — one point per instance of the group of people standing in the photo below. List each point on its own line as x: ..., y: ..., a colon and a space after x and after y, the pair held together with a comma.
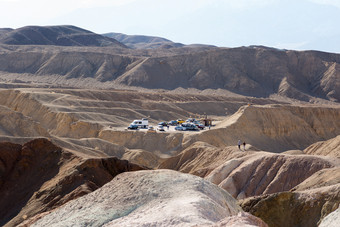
x: 239, y: 145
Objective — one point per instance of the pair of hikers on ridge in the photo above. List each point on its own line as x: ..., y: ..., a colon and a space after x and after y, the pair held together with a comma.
x: 239, y: 145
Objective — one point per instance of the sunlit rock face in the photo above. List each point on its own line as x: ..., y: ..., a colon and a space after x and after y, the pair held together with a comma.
x: 149, y: 198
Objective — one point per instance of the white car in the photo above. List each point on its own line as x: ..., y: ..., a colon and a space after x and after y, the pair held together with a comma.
x: 141, y: 123
x: 160, y: 128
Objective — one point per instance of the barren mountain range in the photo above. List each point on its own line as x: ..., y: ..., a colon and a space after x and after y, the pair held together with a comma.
x: 67, y: 158
x: 55, y: 35
x: 251, y: 71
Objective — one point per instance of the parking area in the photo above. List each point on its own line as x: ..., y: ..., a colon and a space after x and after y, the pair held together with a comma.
x: 171, y: 129
x: 189, y: 125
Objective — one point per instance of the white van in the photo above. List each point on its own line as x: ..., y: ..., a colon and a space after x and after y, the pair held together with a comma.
x: 144, y: 123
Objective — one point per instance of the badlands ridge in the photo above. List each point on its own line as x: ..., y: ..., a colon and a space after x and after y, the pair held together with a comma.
x: 67, y: 158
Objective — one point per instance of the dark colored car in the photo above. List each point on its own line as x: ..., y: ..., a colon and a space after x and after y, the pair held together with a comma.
x: 190, y: 126
x: 133, y: 127
x: 200, y: 126
x: 163, y: 123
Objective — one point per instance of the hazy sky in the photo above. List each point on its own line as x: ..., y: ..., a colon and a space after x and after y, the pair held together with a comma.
x: 289, y: 24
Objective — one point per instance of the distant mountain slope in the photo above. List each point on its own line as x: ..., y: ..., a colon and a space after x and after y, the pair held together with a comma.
x: 257, y: 72
x: 4, y: 31
x: 55, y: 35
x: 250, y: 71
x: 142, y: 41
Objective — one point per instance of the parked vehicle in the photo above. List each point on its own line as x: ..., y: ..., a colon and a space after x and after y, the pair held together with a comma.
x: 180, y: 128
x: 173, y: 122
x: 160, y: 128
x: 144, y: 123
x: 190, y: 126
x: 180, y: 121
x: 200, y: 126
x: 132, y: 127
x: 163, y: 123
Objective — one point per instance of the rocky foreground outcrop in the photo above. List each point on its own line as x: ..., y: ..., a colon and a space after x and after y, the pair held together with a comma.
x: 151, y: 198
x: 306, y: 204
x: 39, y: 176
x: 332, y: 220
x: 303, y: 208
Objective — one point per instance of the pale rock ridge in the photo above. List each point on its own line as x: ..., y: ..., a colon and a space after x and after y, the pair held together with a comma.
x: 57, y: 123
x: 200, y: 158
x: 147, y: 198
x: 330, y: 147
x: 331, y: 220
x: 265, y: 173
x: 15, y: 124
x: 142, y: 157
x: 162, y: 144
x: 274, y: 128
x: 93, y: 146
x: 321, y: 178
x: 241, y: 220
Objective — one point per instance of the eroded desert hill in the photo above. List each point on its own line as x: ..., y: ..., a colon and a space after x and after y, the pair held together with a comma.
x: 40, y: 176
x: 251, y: 71
x: 330, y: 147
x: 150, y: 198
x: 275, y: 128
x: 66, y: 35
x: 96, y: 121
x: 284, y: 190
